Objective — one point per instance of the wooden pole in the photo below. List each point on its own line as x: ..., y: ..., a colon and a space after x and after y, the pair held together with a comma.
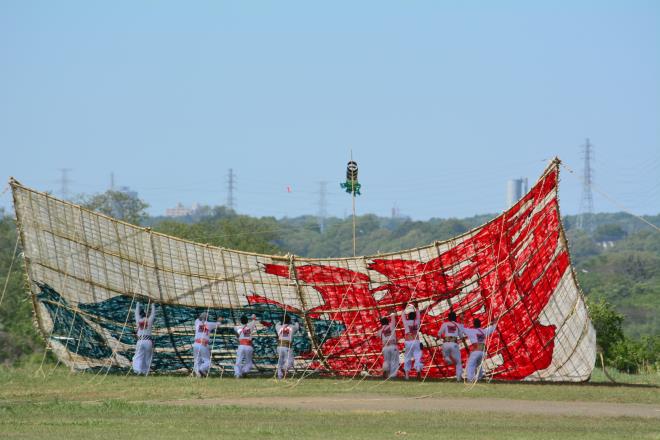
x: 353, y: 197
x: 353, y: 194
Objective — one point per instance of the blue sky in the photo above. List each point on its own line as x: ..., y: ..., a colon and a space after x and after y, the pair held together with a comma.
x: 441, y: 102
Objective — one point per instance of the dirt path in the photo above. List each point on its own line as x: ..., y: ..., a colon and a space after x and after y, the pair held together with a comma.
x: 378, y: 403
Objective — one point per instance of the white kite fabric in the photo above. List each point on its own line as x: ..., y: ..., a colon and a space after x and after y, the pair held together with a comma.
x: 88, y: 271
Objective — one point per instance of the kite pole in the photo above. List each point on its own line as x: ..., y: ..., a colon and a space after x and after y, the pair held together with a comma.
x: 353, y: 197
x: 352, y: 186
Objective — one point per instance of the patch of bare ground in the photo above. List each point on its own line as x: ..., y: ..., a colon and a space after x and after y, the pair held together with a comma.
x: 427, y: 403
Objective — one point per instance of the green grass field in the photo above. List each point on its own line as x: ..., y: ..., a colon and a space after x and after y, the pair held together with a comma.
x: 83, y: 405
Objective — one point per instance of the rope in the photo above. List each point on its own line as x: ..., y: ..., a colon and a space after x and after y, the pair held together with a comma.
x: 360, y: 362
x: 146, y: 310
x: 77, y: 348
x: 413, y: 299
x: 410, y: 301
x: 492, y: 294
x: 471, y: 385
x: 114, y: 351
x: 344, y: 295
x: 368, y: 351
x: 11, y: 265
x: 326, y: 334
x: 65, y: 284
x: 215, y: 332
x: 221, y: 367
x: 128, y: 313
x: 611, y: 199
x: 602, y: 363
x: 513, y: 272
x: 68, y: 338
x: 535, y: 201
x: 48, y: 341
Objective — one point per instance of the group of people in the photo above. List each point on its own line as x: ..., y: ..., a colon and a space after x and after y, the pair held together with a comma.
x: 201, y: 351
x: 451, y: 332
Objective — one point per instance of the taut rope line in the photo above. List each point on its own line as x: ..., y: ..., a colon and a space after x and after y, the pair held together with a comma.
x: 11, y: 266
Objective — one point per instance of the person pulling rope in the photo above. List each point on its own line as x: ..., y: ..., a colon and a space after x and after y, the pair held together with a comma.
x: 144, y: 348
x: 387, y: 335
x: 413, y: 347
x: 285, y: 331
x: 245, y: 350
x: 201, y: 351
x: 477, y: 337
x: 451, y: 332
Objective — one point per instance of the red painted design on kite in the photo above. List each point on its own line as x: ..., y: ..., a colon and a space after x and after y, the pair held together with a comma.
x: 503, y: 274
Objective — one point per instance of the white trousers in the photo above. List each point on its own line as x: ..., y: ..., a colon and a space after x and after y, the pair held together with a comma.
x: 144, y: 350
x: 413, y: 350
x: 473, y: 363
x: 452, y: 355
x: 202, y: 358
x: 284, y: 361
x: 390, y: 360
x: 243, y: 360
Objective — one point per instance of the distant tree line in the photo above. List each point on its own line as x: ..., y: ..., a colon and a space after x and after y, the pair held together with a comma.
x: 617, y: 262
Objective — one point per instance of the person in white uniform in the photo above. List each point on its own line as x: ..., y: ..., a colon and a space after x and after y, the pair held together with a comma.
x: 285, y: 332
x: 413, y: 348
x: 201, y: 351
x: 451, y: 334
x: 478, y: 338
x: 387, y: 335
x: 245, y: 350
x: 144, y: 348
